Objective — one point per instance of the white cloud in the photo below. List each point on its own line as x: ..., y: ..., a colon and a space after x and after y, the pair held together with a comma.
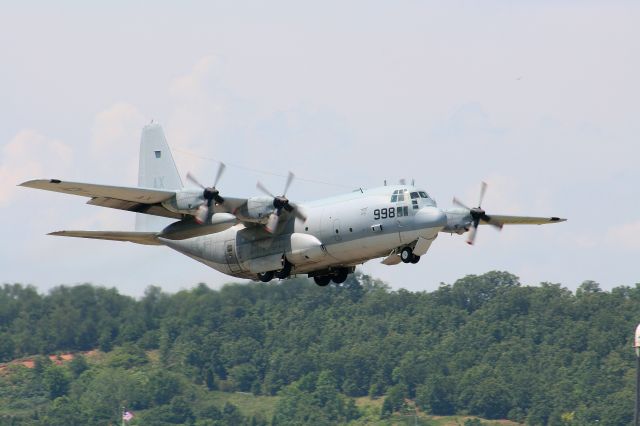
x: 190, y: 86
x: 30, y: 155
x: 115, y: 138
x: 625, y: 236
x: 197, y: 111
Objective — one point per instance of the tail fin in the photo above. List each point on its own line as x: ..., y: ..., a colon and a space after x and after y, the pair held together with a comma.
x: 157, y: 170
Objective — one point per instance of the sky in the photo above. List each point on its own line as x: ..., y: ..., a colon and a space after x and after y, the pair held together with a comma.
x: 538, y: 99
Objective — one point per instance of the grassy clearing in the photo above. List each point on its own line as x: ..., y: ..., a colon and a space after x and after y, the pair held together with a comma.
x: 410, y: 416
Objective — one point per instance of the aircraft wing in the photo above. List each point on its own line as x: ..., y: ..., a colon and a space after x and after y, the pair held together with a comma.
x: 523, y: 220
x: 148, y: 238
x: 140, y: 200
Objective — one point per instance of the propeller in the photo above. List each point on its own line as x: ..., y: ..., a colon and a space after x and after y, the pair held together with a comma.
x: 280, y: 203
x: 477, y: 214
x: 209, y: 194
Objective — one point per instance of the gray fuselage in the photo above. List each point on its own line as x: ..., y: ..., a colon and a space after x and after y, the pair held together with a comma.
x: 340, y: 231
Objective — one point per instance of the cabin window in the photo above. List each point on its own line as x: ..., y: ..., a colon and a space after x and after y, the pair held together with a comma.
x: 158, y: 154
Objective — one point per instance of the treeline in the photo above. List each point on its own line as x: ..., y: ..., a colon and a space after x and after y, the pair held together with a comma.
x: 485, y: 345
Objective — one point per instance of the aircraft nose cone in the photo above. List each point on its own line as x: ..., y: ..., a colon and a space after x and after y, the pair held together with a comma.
x: 431, y: 217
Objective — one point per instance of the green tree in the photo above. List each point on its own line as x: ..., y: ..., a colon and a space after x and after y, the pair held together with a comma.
x: 56, y: 380
x: 78, y: 365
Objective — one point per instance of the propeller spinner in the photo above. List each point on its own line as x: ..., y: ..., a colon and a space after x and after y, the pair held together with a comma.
x: 209, y: 194
x: 478, y: 214
x: 280, y: 203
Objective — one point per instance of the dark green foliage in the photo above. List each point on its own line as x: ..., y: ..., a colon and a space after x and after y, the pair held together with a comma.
x: 395, y: 399
x: 316, y: 402
x: 64, y: 411
x: 78, y: 365
x: 128, y: 356
x: 163, y: 386
x: 56, y: 381
x: 484, y: 345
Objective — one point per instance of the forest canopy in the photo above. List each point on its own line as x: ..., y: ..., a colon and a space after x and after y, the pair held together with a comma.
x: 485, y: 345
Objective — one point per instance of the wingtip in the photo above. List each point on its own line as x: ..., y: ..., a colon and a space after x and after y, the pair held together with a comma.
x: 33, y: 182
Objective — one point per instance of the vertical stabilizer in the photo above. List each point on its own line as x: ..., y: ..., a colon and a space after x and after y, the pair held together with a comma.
x: 156, y: 170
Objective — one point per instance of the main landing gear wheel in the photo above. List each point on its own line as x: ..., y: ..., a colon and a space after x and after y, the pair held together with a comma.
x: 265, y: 277
x: 415, y: 259
x: 339, y: 276
x: 285, y: 271
x: 406, y: 255
x: 322, y: 280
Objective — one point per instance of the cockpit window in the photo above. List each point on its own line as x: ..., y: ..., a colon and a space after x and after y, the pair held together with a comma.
x: 423, y: 194
x: 399, y: 195
x: 414, y: 195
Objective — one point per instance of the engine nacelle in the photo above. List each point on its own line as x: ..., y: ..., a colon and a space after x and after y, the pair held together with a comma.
x: 458, y: 221
x: 185, y: 201
x: 257, y: 209
x: 305, y: 248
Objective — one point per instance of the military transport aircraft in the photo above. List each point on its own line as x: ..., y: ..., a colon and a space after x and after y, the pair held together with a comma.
x: 268, y: 236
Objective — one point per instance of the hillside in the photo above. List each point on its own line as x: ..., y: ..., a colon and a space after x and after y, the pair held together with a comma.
x: 294, y: 353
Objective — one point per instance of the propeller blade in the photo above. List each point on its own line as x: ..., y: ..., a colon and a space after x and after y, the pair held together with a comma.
x: 289, y: 180
x: 472, y: 233
x: 460, y: 203
x: 497, y: 224
x: 298, y: 213
x: 483, y: 189
x: 219, y: 174
x: 202, y: 214
x: 262, y: 188
x: 193, y: 179
x: 272, y: 223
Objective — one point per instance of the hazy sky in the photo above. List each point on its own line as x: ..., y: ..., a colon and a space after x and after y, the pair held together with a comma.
x: 540, y: 99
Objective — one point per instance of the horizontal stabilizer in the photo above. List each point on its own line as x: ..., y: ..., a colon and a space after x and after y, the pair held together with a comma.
x: 523, y: 220
x: 138, y: 195
x: 147, y: 238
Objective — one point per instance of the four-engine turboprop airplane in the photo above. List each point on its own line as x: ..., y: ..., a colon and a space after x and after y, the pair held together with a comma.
x: 268, y: 236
